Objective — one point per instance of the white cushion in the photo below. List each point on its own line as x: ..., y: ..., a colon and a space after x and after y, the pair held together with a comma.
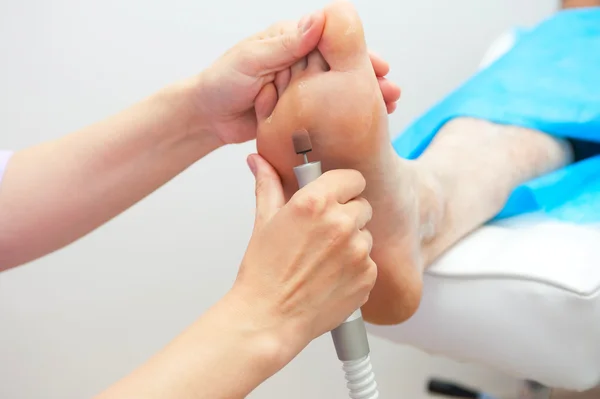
x: 521, y: 295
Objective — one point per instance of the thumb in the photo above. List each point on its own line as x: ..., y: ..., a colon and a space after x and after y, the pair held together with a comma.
x: 269, y: 192
x: 285, y: 43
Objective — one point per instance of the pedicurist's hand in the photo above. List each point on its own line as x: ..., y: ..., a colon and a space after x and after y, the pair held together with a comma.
x: 307, y: 266
x: 226, y: 91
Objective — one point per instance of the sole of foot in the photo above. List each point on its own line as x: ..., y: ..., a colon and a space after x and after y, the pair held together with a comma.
x: 334, y: 95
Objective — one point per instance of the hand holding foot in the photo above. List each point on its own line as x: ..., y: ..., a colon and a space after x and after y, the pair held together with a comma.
x: 225, y: 93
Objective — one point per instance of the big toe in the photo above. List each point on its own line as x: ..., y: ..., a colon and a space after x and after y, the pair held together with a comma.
x: 343, y: 42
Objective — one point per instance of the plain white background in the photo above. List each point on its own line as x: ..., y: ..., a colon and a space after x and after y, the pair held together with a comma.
x: 74, y: 322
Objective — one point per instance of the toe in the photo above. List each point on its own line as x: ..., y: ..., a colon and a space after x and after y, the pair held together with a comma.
x: 343, y: 43
x: 299, y: 67
x: 380, y: 66
x: 391, y: 92
x: 316, y: 62
x: 265, y: 102
x: 391, y: 107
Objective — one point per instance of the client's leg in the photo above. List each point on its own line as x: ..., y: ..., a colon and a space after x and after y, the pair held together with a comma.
x: 478, y: 164
x: 421, y: 207
x: 580, y: 3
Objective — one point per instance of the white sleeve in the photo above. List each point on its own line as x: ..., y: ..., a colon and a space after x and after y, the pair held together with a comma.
x: 4, y: 157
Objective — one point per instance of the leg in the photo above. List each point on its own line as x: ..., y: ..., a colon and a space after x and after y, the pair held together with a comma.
x: 461, y: 181
x: 478, y: 164
x: 421, y: 207
x: 580, y: 3
x: 521, y: 154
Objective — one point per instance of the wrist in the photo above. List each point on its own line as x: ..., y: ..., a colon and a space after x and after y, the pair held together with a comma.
x: 190, y: 122
x: 226, y: 353
x: 268, y: 339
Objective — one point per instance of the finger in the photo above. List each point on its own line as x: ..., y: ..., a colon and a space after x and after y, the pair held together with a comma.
x: 390, y: 91
x: 269, y: 191
x: 370, y: 278
x: 282, y: 80
x: 282, y: 45
x: 357, y: 252
x: 380, y: 66
x: 342, y: 185
x: 360, y: 211
x: 366, y: 235
x: 265, y: 102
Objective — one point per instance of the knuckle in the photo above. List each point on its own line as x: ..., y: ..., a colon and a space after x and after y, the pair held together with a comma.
x: 274, y: 30
x: 310, y: 204
x: 368, y: 239
x: 372, y: 272
x: 370, y: 276
x: 260, y: 187
x: 342, y: 225
x: 288, y: 42
x: 368, y: 207
x: 360, y: 250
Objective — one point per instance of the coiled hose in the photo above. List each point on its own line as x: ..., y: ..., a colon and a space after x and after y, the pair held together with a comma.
x: 361, y: 379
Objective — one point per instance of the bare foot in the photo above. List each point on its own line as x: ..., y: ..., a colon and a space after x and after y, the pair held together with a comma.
x: 334, y: 95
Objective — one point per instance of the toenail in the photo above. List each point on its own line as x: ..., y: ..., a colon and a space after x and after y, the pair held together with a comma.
x: 305, y: 23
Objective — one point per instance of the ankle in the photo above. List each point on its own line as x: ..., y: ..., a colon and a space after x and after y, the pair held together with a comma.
x: 448, y: 207
x: 433, y: 195
x: 432, y: 204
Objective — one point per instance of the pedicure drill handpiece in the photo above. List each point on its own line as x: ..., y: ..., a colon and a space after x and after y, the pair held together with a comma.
x: 350, y: 338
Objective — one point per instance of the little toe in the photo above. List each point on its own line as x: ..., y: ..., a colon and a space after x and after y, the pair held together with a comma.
x: 380, y: 66
x: 390, y: 91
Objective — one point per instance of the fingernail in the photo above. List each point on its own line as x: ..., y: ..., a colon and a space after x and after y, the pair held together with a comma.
x: 305, y: 23
x: 251, y: 164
